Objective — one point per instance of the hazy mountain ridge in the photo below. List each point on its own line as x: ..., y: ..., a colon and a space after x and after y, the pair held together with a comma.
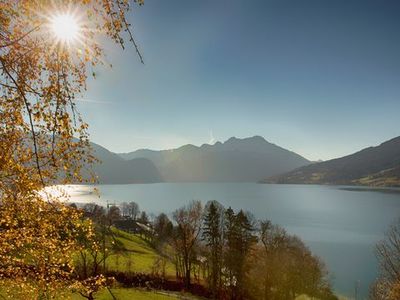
x: 372, y: 166
x: 112, y: 169
x: 236, y: 160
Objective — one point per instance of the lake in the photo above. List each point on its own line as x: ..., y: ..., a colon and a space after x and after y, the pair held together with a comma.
x: 339, y: 224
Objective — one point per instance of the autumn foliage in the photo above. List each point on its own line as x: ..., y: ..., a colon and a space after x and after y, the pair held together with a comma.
x: 43, y: 138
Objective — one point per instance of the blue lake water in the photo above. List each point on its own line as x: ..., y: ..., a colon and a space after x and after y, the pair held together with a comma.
x: 339, y: 224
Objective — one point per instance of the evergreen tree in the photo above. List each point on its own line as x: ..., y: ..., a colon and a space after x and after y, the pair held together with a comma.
x: 213, y: 237
x: 144, y: 219
x: 163, y: 228
x: 239, y: 239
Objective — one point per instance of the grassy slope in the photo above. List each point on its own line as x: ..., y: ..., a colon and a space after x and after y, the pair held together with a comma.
x: 127, y: 294
x: 142, y: 256
x: 138, y: 251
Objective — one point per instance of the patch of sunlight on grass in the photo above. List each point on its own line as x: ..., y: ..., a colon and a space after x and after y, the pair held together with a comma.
x: 138, y: 255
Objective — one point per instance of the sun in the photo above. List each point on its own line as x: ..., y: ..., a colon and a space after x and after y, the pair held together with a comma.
x: 65, y: 27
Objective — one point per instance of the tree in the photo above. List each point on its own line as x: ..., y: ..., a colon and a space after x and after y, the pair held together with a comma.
x: 113, y: 214
x: 94, y: 212
x: 189, y: 221
x: 239, y: 240
x: 388, y: 253
x: 245, y: 242
x: 35, y: 247
x: 98, y: 245
x: 125, y: 209
x: 163, y: 228
x: 43, y: 138
x: 130, y: 209
x: 144, y: 219
x: 213, y: 237
x: 230, y: 239
x: 284, y: 268
x: 133, y: 210
x: 272, y: 238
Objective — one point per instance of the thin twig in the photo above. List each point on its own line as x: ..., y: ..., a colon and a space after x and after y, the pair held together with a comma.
x: 10, y: 43
x: 112, y: 295
x: 131, y: 38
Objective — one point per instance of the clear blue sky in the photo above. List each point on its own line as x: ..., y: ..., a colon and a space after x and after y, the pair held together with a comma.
x: 319, y: 77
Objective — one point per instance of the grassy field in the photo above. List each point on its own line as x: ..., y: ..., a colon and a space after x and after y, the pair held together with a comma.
x: 138, y: 255
x: 125, y: 294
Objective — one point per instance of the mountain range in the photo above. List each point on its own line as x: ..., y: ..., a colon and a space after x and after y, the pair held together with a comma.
x: 372, y: 166
x: 250, y: 159
x: 236, y: 160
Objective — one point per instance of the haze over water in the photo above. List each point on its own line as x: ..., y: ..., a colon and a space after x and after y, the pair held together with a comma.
x: 340, y: 225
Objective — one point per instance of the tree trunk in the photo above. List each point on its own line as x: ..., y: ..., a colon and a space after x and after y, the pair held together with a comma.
x: 187, y: 278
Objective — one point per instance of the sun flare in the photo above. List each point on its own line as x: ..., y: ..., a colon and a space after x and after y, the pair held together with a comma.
x: 65, y: 27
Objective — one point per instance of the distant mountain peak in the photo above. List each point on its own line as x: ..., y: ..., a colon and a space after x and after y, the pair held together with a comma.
x: 186, y: 147
x: 259, y: 137
x: 231, y: 139
x: 256, y: 138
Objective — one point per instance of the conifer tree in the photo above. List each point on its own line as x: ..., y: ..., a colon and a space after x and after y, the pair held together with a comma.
x: 239, y: 240
x: 213, y: 237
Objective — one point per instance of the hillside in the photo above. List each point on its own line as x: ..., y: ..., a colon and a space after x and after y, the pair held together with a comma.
x: 373, y: 166
x: 236, y: 160
x: 112, y: 169
x: 142, y: 256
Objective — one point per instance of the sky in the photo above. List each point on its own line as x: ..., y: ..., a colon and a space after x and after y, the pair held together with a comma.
x: 318, y: 77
